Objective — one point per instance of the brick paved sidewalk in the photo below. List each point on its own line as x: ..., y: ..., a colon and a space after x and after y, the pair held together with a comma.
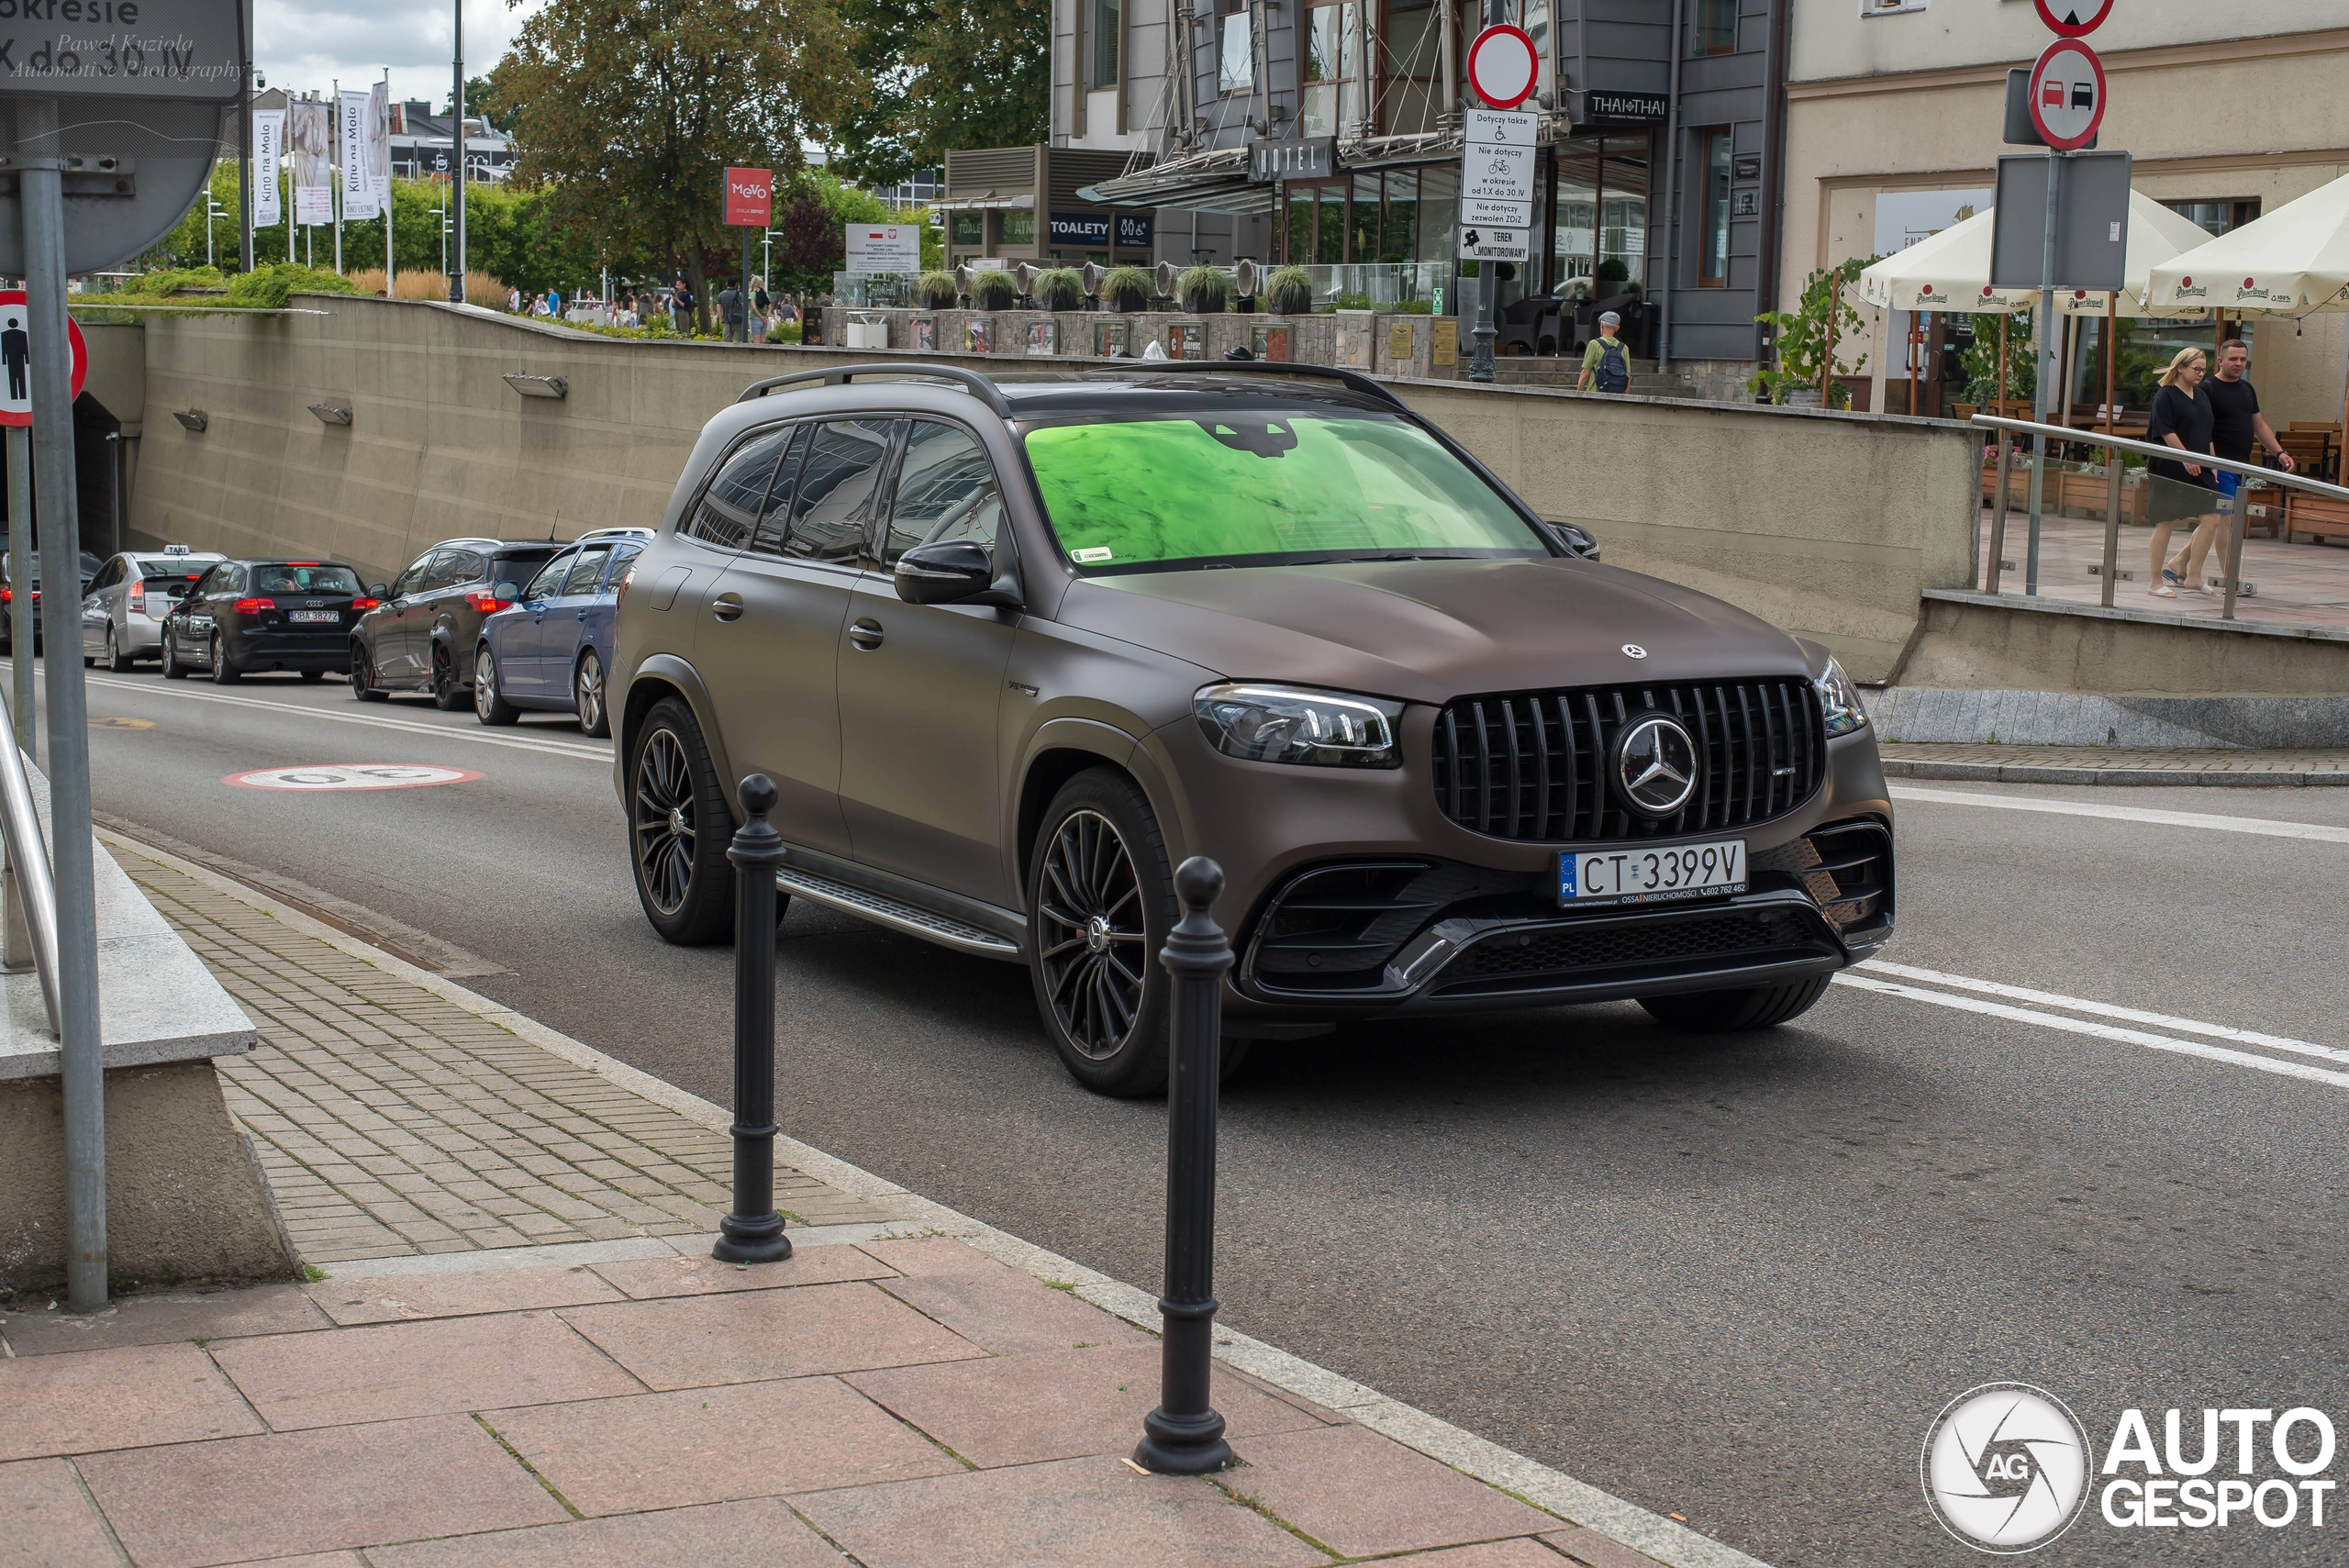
x: 2115, y: 764
x: 522, y: 1352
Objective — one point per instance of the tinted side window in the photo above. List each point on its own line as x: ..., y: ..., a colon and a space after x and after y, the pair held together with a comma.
x: 440, y: 571
x: 730, y: 507
x: 108, y: 576
x: 620, y: 558
x: 838, y: 486
x: 585, y: 569
x: 412, y: 580
x: 466, y: 566
x: 946, y: 489
x: 549, y: 582
x: 776, y: 517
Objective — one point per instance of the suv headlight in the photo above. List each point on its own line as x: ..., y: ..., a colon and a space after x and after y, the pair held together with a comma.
x: 1295, y: 724
x: 1838, y: 701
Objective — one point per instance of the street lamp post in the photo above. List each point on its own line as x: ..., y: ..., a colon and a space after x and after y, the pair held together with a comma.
x: 212, y: 210
x: 457, y: 147
x: 442, y: 214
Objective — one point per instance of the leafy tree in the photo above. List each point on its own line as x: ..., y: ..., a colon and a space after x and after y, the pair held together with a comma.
x: 1802, y: 346
x: 629, y: 112
x: 963, y: 73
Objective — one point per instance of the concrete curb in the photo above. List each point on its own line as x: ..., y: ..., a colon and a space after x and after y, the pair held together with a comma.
x: 2002, y: 772
x: 1668, y: 1542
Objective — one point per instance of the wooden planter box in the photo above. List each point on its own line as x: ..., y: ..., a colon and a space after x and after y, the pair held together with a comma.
x: 2318, y: 516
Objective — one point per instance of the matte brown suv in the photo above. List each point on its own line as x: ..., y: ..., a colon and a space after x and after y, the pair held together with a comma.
x: 1013, y: 647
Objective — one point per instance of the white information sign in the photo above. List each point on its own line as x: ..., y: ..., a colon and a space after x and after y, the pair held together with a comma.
x: 884, y: 248
x: 1497, y: 170
x: 1496, y: 244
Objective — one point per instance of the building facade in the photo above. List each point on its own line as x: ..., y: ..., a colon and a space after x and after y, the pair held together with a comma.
x: 1894, y: 117
x: 1330, y: 135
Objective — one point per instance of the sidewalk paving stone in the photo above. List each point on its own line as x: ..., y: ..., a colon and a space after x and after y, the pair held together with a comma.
x: 762, y: 1534
x: 643, y: 1279
x: 389, y: 1371
x: 1009, y: 1312
x: 78, y: 1402
x: 1024, y: 1409
x: 1360, y: 1493
x: 352, y: 1302
x: 694, y: 1341
x: 162, y: 1318
x: 715, y: 1445
x: 193, y: 1504
x: 45, y: 1520
x: 1078, y: 1513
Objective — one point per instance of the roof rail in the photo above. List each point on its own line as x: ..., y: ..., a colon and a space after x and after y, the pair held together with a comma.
x: 1354, y: 379
x: 977, y: 386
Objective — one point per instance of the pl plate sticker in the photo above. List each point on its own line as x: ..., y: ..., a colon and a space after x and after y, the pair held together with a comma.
x: 351, y: 776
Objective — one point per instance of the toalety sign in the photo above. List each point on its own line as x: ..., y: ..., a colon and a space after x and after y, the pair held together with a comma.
x: 178, y: 50
x: 2008, y: 1468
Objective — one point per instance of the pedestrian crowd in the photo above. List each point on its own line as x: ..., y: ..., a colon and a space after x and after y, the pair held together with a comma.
x: 765, y: 317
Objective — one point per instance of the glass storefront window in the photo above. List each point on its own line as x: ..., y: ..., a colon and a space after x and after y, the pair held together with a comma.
x: 1362, y: 233
x: 968, y: 229
x: 1437, y: 204
x: 1329, y: 244
x: 1399, y: 240
x: 1575, y: 216
x: 1623, y: 207
x: 1712, y: 257
x: 1018, y: 227
x: 1300, y: 224
x: 1236, y: 62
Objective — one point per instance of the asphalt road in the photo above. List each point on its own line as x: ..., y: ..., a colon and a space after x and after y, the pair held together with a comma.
x: 1731, y: 1282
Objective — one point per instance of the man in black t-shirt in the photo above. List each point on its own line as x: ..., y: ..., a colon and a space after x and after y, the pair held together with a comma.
x: 2235, y: 419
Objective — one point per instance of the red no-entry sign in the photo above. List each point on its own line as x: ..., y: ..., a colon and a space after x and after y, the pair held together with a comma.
x: 1503, y: 66
x: 16, y: 358
x: 2067, y: 95
x: 749, y: 199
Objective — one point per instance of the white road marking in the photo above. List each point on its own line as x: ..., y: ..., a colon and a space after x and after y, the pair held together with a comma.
x: 2106, y: 1010
x: 372, y: 721
x: 2266, y: 826
x: 2101, y: 1031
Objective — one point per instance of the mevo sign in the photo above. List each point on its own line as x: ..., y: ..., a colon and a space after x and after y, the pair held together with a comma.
x: 749, y: 199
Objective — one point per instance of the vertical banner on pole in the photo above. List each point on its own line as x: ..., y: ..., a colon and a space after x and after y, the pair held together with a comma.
x: 354, y: 116
x: 379, y: 165
x: 309, y: 136
x: 269, y: 146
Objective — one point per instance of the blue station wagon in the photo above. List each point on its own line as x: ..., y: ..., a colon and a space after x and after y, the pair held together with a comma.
x: 550, y: 650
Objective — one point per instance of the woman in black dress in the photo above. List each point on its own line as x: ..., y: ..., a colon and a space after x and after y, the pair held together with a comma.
x: 2181, y: 418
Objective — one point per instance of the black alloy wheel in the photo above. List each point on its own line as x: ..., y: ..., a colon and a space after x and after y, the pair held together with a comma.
x: 116, y: 660
x: 172, y: 668
x: 678, y: 828
x: 588, y: 697
x: 363, y: 675
x: 223, y: 671
x: 1102, y: 896
x: 445, y: 695
x: 489, y: 704
x: 1737, y: 1010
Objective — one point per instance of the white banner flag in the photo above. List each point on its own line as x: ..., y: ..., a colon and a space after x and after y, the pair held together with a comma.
x: 379, y: 139
x: 310, y: 137
x: 269, y: 147
x: 352, y: 113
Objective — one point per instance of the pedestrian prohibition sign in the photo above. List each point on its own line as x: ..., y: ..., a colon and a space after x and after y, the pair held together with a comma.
x: 2067, y: 95
x: 16, y: 358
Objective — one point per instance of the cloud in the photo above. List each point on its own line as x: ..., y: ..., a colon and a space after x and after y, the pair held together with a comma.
x: 303, y: 45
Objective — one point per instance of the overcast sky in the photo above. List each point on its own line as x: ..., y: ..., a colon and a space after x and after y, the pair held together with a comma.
x: 304, y: 44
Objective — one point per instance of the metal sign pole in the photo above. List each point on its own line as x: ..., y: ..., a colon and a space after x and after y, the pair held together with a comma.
x: 42, y: 190
x: 457, y: 147
x: 1480, y: 363
x: 2049, y: 356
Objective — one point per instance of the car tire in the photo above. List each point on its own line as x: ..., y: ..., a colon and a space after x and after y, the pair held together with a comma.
x: 445, y: 693
x: 588, y: 696
x: 118, y: 661
x: 1735, y: 1011
x: 172, y: 668
x: 489, y: 704
x: 1103, y: 899
x: 363, y: 675
x: 224, y: 669
x: 314, y: 674
x: 678, y: 827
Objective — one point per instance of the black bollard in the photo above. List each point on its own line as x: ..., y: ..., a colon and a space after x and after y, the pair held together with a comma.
x: 753, y: 1233
x: 1185, y: 1436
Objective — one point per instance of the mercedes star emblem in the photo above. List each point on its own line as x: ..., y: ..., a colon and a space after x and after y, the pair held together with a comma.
x: 1633, y: 651
x: 1655, y: 763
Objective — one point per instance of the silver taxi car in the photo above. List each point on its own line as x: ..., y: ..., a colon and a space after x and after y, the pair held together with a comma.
x: 124, y: 607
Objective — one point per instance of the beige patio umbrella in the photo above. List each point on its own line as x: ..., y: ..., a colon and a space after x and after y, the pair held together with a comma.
x: 1948, y: 271
x: 2293, y: 261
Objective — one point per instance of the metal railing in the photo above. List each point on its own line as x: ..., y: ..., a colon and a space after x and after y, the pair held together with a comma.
x: 2114, y: 445
x: 31, y: 895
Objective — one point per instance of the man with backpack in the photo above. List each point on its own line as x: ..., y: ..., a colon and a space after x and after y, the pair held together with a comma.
x: 1607, y: 361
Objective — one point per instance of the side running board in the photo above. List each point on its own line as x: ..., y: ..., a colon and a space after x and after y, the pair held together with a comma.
x: 893, y: 913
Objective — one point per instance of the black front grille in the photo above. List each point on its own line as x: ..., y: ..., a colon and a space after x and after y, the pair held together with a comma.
x: 1661, y: 942
x: 1534, y: 766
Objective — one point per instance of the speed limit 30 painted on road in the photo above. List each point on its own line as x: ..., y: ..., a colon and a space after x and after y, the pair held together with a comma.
x: 351, y: 776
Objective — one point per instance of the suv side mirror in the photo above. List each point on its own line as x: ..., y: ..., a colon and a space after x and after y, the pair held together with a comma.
x: 952, y: 571
x: 1577, y: 540
x: 507, y: 590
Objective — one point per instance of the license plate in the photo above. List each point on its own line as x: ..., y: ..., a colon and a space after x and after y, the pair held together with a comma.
x: 1657, y: 875
x: 314, y: 615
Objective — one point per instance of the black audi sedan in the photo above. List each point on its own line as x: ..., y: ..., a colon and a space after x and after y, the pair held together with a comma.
x: 244, y: 617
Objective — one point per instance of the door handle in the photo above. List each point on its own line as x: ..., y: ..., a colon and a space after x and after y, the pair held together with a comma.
x: 865, y: 635
x: 727, y: 607
x: 582, y: 614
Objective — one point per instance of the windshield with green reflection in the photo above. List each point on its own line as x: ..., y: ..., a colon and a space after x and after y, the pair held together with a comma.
x: 1255, y: 488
